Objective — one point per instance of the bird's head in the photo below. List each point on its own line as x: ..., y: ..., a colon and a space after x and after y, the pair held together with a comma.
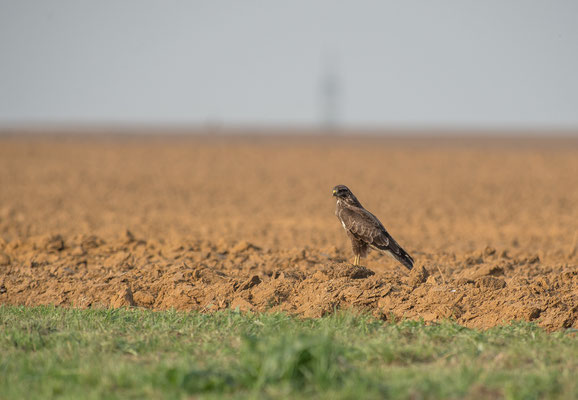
x: 342, y: 192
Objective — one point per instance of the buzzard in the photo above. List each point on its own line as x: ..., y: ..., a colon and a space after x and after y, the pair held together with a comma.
x: 364, y: 229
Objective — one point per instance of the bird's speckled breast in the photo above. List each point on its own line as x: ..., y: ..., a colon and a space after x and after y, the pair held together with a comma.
x: 337, y: 214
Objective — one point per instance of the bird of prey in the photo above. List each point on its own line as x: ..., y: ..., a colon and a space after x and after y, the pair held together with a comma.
x: 364, y: 229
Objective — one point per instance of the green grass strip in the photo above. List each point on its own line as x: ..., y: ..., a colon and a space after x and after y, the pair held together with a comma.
x: 48, y: 352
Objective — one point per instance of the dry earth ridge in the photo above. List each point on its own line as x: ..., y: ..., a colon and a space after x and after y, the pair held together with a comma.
x: 480, y: 290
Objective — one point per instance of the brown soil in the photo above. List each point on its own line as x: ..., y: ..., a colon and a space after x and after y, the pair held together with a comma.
x: 212, y: 223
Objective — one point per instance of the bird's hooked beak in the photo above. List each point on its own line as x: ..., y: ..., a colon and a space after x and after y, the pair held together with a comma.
x: 334, y: 192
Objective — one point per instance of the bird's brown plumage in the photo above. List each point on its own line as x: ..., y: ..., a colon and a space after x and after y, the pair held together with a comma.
x: 364, y: 229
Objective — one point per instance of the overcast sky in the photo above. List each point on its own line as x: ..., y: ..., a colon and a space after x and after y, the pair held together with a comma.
x: 413, y: 63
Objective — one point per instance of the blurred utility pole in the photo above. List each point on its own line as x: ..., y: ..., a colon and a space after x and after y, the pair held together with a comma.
x: 330, y: 91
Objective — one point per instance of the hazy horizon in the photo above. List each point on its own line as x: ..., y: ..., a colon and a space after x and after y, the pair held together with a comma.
x: 412, y: 65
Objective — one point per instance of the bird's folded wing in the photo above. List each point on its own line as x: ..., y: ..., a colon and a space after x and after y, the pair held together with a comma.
x: 365, y: 226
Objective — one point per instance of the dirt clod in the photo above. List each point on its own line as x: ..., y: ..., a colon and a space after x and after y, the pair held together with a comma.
x: 533, y: 313
x: 486, y: 270
x: 4, y: 259
x: 143, y: 298
x: 249, y: 283
x: 489, y: 251
x: 54, y: 243
x: 346, y: 270
x: 243, y: 246
x: 241, y: 304
x: 123, y: 298
x: 418, y: 275
x: 464, y: 281
x: 490, y: 282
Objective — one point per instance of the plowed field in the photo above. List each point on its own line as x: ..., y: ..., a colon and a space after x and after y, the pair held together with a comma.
x: 206, y: 223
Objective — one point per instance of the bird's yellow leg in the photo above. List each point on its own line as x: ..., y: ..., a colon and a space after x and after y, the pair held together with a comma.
x: 356, y: 260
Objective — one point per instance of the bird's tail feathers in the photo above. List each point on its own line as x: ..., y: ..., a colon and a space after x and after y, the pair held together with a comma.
x: 402, y: 256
